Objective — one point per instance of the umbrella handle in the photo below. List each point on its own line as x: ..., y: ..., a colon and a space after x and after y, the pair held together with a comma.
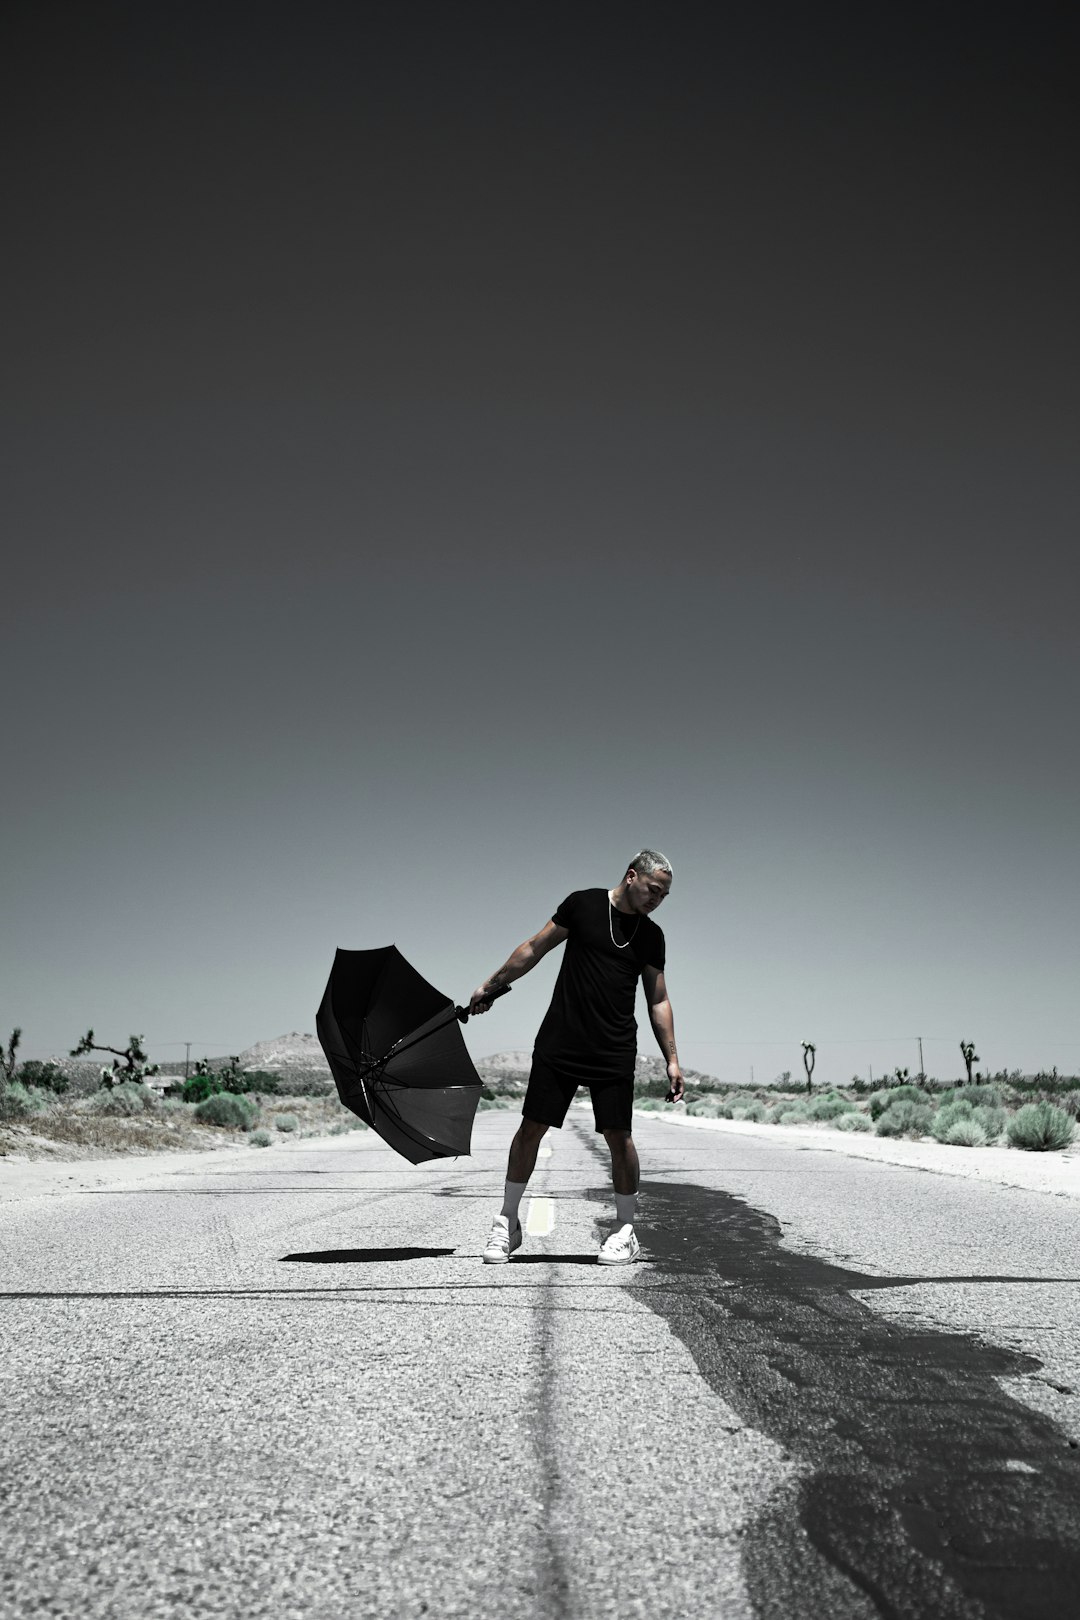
x: 502, y: 990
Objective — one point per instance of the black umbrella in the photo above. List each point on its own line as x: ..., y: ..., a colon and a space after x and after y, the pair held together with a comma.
x: 394, y: 1046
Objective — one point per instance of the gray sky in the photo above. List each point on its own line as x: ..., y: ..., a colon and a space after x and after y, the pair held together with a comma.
x: 449, y: 446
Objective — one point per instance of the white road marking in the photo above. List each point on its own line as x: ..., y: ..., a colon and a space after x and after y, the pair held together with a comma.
x: 544, y: 1153
x: 541, y: 1217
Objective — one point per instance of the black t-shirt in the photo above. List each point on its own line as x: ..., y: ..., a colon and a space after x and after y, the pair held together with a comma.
x: 589, y: 1031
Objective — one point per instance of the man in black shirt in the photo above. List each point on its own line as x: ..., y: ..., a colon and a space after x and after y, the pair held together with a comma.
x: 589, y: 1036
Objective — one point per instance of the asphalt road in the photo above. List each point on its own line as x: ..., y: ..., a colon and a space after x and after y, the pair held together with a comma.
x: 284, y: 1384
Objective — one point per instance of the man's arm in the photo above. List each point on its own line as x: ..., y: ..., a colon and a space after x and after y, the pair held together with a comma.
x: 518, y: 963
x: 663, y: 1022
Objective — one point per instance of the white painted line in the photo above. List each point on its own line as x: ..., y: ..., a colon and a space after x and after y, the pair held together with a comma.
x: 544, y: 1153
x: 541, y: 1217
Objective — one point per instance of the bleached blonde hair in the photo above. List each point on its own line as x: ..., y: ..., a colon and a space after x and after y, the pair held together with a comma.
x: 647, y: 861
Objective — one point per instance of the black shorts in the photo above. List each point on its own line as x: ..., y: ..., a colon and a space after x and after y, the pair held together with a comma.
x: 550, y: 1093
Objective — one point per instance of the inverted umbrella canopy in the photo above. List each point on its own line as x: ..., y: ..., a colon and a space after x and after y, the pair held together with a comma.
x: 394, y: 1046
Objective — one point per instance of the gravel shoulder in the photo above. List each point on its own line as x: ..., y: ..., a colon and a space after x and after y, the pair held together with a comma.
x: 43, y: 1178
x: 1054, y: 1173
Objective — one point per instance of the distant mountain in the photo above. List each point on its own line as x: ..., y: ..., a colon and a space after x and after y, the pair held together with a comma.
x: 291, y: 1051
x: 510, y: 1062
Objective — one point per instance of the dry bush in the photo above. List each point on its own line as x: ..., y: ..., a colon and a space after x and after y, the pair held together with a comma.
x: 904, y: 1118
x: 1041, y: 1128
x: 965, y: 1132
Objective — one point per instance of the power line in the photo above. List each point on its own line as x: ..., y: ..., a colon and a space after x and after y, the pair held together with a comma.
x: 849, y: 1040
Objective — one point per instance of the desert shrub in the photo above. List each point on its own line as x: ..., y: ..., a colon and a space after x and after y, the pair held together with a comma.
x: 754, y: 1110
x: 1041, y: 1127
x: 261, y: 1138
x: 792, y: 1116
x: 649, y: 1105
x: 991, y: 1118
x: 286, y: 1122
x: 233, y: 1081
x: 977, y: 1096
x: 46, y: 1076
x: 829, y: 1106
x: 644, y: 1085
x: 263, y: 1082
x: 777, y: 1112
x: 302, y: 1083
x: 947, y: 1116
x: 880, y: 1100
x: 225, y: 1108
x: 199, y: 1087
x: 1071, y: 1103
x: 124, y: 1101
x: 20, y: 1102
x: 853, y: 1122
x: 904, y: 1118
x: 705, y: 1107
x: 498, y: 1102
x: 965, y: 1132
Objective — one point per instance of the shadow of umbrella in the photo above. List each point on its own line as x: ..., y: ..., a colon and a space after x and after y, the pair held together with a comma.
x: 360, y: 1257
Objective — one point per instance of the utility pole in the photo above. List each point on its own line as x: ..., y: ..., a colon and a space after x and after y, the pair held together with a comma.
x: 922, y: 1066
x: 751, y: 1074
x: 187, y: 1057
x: 870, y: 1066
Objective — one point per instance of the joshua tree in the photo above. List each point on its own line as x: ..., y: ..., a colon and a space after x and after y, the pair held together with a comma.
x: 809, y: 1052
x: 7, y: 1058
x: 130, y: 1064
x: 229, y: 1070
x: 970, y: 1056
x: 900, y: 1076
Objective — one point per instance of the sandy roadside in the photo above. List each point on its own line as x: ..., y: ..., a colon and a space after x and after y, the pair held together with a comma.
x: 1054, y: 1173
x: 43, y: 1178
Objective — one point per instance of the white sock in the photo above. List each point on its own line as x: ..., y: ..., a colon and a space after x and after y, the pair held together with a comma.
x: 625, y: 1204
x: 511, y: 1199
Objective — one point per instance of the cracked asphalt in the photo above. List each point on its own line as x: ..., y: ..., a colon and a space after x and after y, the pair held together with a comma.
x: 283, y: 1383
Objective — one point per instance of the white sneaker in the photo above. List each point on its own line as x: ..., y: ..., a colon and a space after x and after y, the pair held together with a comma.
x: 620, y: 1249
x: 502, y: 1242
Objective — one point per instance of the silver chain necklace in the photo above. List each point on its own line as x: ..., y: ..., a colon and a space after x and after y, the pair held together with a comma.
x: 611, y: 930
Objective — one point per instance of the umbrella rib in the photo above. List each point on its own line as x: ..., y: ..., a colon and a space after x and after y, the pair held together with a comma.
x: 405, y: 1044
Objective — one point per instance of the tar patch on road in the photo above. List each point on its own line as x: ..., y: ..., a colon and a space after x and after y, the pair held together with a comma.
x: 925, y: 1489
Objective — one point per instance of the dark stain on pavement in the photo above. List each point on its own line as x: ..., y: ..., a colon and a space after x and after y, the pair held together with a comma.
x: 924, y: 1489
